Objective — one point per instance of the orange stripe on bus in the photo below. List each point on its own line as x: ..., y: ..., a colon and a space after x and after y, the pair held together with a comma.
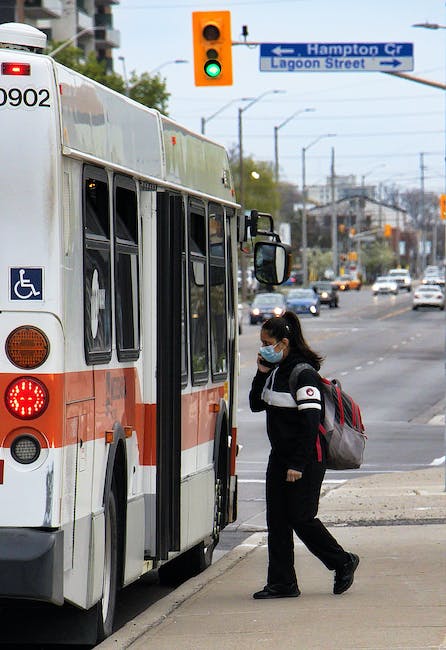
x: 84, y: 405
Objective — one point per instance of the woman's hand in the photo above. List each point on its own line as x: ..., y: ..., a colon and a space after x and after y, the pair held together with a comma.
x: 293, y: 475
x: 261, y: 364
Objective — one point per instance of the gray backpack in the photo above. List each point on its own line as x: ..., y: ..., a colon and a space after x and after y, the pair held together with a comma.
x: 341, y: 422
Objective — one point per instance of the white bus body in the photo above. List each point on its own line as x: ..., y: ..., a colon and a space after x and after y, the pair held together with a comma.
x: 119, y: 254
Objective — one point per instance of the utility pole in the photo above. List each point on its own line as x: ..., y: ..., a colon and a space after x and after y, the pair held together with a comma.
x: 334, y: 216
x: 422, y: 216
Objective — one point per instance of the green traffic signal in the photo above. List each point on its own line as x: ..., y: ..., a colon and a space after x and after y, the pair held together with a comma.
x: 212, y: 68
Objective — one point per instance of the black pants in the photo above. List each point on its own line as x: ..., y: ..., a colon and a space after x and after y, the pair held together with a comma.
x: 294, y: 506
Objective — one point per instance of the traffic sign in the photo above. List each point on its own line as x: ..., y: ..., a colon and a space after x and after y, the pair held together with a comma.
x: 336, y: 57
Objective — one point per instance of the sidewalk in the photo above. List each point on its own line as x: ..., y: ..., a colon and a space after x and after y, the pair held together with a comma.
x: 395, y: 522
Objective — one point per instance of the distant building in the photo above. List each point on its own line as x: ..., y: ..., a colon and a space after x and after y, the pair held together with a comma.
x: 344, y: 187
x: 89, y: 21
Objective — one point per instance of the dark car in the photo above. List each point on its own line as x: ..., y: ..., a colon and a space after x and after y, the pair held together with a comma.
x: 303, y: 301
x: 266, y: 305
x: 327, y: 292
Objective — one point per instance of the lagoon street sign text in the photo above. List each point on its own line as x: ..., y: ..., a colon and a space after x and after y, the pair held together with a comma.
x: 336, y: 57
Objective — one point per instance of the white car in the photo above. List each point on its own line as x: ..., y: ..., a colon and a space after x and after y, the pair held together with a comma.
x: 402, y: 277
x: 428, y: 295
x: 434, y: 278
x: 384, y: 284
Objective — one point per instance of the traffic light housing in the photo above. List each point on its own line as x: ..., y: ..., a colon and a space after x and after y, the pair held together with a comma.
x: 442, y: 202
x: 387, y: 230
x: 212, y: 48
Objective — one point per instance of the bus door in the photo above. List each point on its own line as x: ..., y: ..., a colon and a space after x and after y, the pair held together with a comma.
x: 170, y: 220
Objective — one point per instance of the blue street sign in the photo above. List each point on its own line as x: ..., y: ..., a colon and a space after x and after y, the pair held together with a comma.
x: 336, y: 57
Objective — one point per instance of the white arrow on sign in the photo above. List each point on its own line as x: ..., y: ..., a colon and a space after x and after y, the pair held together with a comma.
x: 278, y: 51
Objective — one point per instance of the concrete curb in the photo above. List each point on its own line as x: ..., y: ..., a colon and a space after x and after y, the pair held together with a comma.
x: 159, y: 611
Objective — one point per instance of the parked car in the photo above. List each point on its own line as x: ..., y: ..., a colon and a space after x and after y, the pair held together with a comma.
x: 402, y: 276
x: 266, y: 305
x: 303, y: 301
x: 347, y: 282
x: 384, y: 284
x: 327, y: 292
x: 428, y: 295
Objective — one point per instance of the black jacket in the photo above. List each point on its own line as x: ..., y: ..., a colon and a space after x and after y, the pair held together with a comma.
x: 292, y: 427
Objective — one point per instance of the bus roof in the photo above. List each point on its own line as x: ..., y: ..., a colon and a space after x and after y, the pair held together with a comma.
x: 111, y: 128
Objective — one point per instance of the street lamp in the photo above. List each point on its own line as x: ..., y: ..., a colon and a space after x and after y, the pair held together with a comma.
x: 241, y: 183
x: 276, y: 138
x: 162, y: 65
x: 427, y: 25
x: 304, y: 207
x: 205, y: 120
x: 72, y: 39
x: 124, y: 70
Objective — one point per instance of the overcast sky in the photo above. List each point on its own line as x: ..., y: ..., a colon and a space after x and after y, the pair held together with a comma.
x: 382, y: 123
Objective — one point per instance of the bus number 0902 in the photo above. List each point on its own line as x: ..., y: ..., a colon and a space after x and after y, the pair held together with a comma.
x: 29, y: 97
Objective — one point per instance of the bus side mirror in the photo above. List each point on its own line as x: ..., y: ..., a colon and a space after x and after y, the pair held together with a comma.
x: 272, y: 262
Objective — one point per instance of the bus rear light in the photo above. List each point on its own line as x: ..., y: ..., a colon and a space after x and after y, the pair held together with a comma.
x: 25, y: 449
x: 17, y: 69
x: 26, y: 398
x: 27, y: 347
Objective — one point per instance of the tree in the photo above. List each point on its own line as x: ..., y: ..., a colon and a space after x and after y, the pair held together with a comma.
x: 377, y: 258
x: 147, y: 90
x: 150, y: 91
x: 260, y: 190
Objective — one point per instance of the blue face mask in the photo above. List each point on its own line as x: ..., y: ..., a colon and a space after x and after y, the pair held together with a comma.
x: 269, y: 354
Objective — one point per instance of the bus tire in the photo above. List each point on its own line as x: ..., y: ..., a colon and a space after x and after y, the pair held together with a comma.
x: 106, y: 606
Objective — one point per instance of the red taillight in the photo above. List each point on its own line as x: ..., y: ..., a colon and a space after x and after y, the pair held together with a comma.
x: 26, y: 398
x: 17, y: 69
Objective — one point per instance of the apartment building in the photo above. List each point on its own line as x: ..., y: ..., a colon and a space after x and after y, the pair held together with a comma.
x: 88, y: 24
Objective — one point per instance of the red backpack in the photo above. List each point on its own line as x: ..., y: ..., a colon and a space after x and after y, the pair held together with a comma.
x: 341, y: 422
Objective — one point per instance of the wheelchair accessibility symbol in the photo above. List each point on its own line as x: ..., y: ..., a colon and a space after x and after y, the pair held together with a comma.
x: 26, y: 284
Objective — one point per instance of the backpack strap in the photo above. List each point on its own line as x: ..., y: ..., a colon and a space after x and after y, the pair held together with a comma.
x: 293, y: 381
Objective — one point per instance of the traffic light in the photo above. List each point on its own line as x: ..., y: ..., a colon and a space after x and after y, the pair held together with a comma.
x: 387, y: 230
x: 212, y: 48
x: 442, y: 206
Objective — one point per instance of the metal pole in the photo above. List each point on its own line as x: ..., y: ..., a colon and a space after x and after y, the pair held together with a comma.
x: 126, y: 80
x: 276, y: 153
x: 422, y: 215
x: 276, y: 138
x: 334, y: 217
x: 304, y: 223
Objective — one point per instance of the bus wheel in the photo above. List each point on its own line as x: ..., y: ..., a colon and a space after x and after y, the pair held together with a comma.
x: 106, y: 606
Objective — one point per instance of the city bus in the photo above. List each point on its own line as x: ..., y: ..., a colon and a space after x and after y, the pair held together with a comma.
x: 119, y: 355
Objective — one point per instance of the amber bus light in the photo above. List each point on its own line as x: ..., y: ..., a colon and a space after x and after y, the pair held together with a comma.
x: 27, y: 347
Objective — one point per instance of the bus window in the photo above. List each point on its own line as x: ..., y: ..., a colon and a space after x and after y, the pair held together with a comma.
x: 217, y: 291
x: 97, y: 260
x: 126, y: 269
x: 198, y: 291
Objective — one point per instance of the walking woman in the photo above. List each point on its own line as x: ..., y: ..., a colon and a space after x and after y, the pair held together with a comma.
x: 296, y: 464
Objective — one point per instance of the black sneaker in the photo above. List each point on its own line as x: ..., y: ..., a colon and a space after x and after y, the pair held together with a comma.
x: 344, y: 577
x: 268, y: 592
